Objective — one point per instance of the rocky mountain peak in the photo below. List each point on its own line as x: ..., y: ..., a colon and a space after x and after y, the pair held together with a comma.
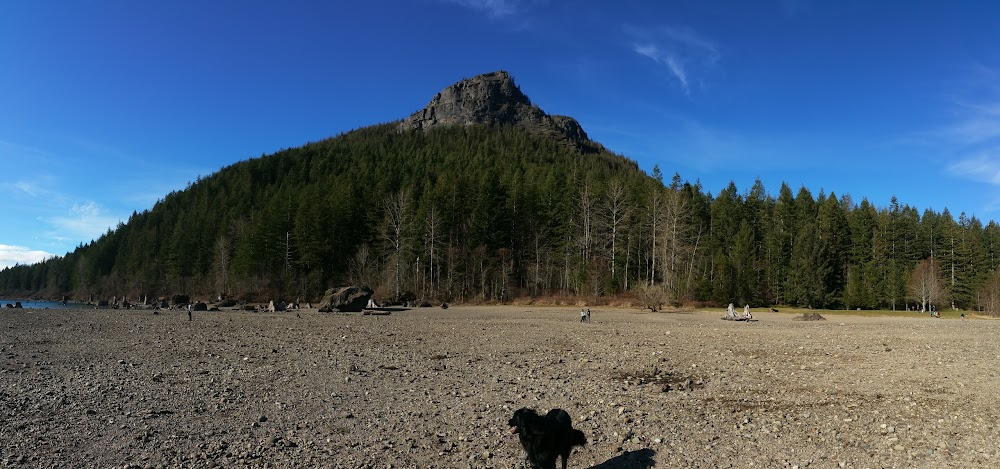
x: 492, y: 99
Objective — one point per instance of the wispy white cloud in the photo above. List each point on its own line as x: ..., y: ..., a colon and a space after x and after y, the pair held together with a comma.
x: 87, y: 221
x: 687, y: 55
x: 27, y: 188
x: 494, y: 8
x: 13, y: 255
x: 983, y: 167
x: 975, y: 124
x: 972, y: 137
x: 793, y: 8
x: 677, y: 68
x: 8, y: 147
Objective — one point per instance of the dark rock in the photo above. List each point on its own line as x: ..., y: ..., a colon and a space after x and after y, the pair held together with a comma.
x: 180, y: 300
x: 494, y: 99
x: 200, y: 307
x: 17, y: 305
x: 809, y: 317
x: 276, y: 307
x: 352, y: 298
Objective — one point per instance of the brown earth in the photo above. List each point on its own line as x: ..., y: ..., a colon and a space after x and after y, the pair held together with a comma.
x: 434, y: 388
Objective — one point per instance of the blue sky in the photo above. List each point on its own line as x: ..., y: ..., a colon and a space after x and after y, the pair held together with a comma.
x: 108, y: 105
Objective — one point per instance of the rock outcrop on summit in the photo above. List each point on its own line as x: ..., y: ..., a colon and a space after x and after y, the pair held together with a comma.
x: 493, y: 99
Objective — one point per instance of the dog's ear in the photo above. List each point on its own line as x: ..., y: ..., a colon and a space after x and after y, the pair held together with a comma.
x: 518, y: 418
x: 532, y: 423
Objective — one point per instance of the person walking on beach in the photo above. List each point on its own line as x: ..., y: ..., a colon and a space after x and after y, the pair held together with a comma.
x: 583, y: 315
x: 189, y: 311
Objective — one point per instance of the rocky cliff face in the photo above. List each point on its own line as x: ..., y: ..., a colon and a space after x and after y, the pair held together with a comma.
x: 492, y: 99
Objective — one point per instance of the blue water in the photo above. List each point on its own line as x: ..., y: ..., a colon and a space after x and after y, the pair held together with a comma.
x: 43, y: 304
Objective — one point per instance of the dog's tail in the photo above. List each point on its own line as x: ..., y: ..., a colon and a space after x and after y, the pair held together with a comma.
x: 578, y: 438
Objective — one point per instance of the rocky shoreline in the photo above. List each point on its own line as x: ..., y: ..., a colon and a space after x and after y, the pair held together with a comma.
x: 434, y: 388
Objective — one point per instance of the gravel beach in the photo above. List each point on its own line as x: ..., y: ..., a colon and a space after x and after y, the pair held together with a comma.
x: 435, y: 388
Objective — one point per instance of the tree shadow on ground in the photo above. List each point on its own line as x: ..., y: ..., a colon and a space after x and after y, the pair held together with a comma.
x: 639, y: 459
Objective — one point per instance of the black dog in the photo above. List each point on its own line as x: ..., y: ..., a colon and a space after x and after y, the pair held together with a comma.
x: 547, y: 437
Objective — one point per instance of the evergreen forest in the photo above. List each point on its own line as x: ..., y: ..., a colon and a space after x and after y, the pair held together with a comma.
x: 496, y: 213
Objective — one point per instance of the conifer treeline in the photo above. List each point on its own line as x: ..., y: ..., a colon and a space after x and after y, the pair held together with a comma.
x: 492, y: 213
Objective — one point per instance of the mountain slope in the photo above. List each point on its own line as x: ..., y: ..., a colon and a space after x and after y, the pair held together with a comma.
x: 481, y: 196
x: 484, y: 174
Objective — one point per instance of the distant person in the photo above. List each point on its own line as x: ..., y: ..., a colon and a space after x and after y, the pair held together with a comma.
x: 189, y: 311
x: 588, y: 314
x: 583, y: 315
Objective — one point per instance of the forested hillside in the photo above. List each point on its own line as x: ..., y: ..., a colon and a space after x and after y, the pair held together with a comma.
x: 482, y: 196
x: 496, y: 212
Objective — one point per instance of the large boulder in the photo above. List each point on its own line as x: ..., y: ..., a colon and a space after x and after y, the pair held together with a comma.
x: 353, y: 298
x: 809, y: 317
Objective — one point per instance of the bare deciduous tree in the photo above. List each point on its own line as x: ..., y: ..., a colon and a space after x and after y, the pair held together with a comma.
x: 586, y: 221
x: 925, y: 285
x: 616, y: 212
x: 673, y: 240
x: 432, y: 238
x: 655, y: 215
x: 223, y: 251
x: 394, y: 230
x: 361, y: 265
x: 989, y: 295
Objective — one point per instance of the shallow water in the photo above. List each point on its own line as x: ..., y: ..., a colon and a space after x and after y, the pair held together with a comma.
x: 43, y: 304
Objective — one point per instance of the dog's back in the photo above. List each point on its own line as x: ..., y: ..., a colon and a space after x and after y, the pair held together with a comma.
x: 562, y: 421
